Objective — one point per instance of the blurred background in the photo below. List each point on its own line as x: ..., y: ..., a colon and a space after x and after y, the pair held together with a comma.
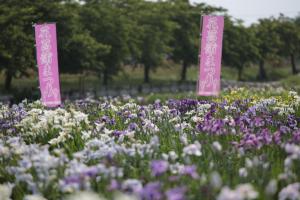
x: 111, y: 47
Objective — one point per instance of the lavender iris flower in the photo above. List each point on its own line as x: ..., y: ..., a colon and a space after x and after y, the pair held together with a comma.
x: 190, y: 170
x: 158, y: 167
x: 176, y: 193
x: 152, y: 191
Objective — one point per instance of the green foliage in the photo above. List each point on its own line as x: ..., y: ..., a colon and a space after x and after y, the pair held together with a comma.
x: 16, y: 42
x: 78, y: 50
x: 289, y: 33
x: 103, y: 36
x: 108, y: 24
x: 239, y: 46
x: 269, y: 40
x: 185, y: 42
x: 268, y: 43
x: 156, y: 33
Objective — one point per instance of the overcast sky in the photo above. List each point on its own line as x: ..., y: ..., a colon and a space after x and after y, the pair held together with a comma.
x: 251, y: 10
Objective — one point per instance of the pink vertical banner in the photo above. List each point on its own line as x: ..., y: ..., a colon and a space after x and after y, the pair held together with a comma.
x: 46, y: 50
x: 210, y: 56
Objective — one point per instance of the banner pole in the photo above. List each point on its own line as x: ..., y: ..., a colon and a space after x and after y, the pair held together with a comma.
x: 47, y: 61
x: 199, y: 52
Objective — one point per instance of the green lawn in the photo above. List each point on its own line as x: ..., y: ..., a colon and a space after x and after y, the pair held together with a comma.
x: 169, y: 73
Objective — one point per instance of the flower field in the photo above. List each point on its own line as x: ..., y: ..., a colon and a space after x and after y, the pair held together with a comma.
x: 244, y: 144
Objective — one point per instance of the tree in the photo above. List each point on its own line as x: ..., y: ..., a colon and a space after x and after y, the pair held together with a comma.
x: 185, y: 42
x: 239, y: 46
x: 77, y: 49
x: 16, y: 41
x: 108, y: 25
x: 156, y: 34
x: 268, y: 43
x: 289, y: 34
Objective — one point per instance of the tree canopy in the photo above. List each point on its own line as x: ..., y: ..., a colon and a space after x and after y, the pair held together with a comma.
x: 104, y: 35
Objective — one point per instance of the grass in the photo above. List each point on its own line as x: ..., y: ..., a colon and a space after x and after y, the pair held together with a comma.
x: 128, y: 76
x: 292, y: 81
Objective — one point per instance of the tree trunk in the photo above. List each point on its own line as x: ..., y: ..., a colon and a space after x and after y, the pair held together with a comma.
x: 262, y: 72
x: 146, y: 74
x: 8, y: 80
x: 294, y: 69
x: 105, y: 77
x: 183, y: 71
x: 240, y: 72
x: 81, y: 81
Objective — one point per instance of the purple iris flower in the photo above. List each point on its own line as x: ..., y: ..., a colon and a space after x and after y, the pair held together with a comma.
x: 91, y: 171
x: 105, y: 119
x: 176, y: 193
x: 183, y: 105
x: 258, y: 122
x: 132, y: 126
x: 152, y: 191
x: 296, y: 137
x: 72, y: 180
x: 118, y: 133
x: 292, y: 122
x: 173, y: 178
x: 190, y: 170
x: 114, y: 185
x: 174, y: 112
x: 158, y: 167
x: 277, y: 137
x: 112, y: 122
x: 217, y: 126
x: 142, y: 113
x: 284, y: 129
x: 12, y: 117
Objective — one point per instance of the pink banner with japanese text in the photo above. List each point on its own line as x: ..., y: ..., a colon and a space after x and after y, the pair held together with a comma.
x: 210, y: 56
x: 46, y: 51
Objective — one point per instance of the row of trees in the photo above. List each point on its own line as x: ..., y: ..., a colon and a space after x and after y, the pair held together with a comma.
x: 272, y: 40
x: 104, y: 35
